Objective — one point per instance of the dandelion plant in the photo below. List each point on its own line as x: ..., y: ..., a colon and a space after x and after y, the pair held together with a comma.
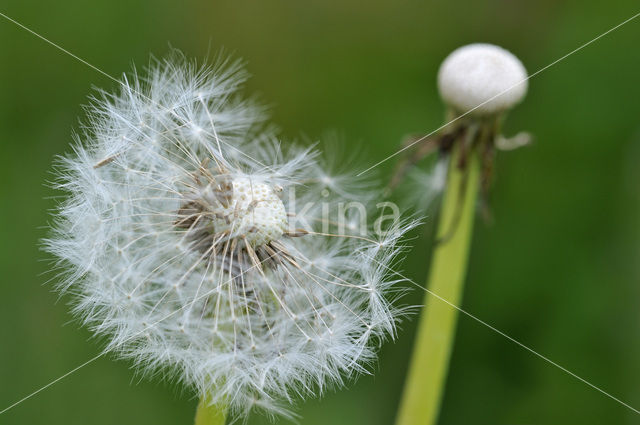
x: 203, y: 250
x: 479, y: 83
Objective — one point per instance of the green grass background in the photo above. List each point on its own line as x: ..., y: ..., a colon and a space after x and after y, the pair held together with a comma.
x: 559, y: 270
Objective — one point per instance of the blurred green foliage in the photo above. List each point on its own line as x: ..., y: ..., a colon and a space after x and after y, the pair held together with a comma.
x: 559, y: 269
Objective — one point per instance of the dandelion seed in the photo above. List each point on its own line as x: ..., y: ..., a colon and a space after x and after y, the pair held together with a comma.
x: 178, y: 244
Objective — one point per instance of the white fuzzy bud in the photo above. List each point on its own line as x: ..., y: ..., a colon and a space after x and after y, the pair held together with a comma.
x: 482, y: 78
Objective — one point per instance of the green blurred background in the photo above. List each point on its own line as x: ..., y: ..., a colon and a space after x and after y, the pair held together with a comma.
x: 559, y: 269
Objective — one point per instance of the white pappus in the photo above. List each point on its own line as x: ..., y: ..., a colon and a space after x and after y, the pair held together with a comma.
x: 179, y: 243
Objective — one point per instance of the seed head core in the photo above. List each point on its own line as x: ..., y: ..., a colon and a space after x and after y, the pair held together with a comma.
x: 254, y: 212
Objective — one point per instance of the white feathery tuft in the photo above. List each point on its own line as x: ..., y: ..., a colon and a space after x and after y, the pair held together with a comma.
x: 178, y: 244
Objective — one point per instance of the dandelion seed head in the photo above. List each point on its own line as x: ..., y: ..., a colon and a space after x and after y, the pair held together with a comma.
x: 482, y: 78
x: 180, y: 243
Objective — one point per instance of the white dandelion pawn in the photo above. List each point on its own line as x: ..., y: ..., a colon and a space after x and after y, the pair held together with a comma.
x: 181, y: 242
x: 482, y: 79
x: 479, y: 83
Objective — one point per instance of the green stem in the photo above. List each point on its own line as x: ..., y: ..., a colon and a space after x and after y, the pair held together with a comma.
x: 429, y: 363
x: 210, y: 414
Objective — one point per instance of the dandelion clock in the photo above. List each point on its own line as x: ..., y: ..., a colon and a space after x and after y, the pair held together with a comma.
x: 203, y: 250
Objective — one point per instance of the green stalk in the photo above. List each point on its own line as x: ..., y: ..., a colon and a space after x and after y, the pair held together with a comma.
x: 210, y: 414
x: 436, y: 331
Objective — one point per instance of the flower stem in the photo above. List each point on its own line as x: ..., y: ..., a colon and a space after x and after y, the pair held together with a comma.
x: 210, y: 414
x: 436, y: 331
